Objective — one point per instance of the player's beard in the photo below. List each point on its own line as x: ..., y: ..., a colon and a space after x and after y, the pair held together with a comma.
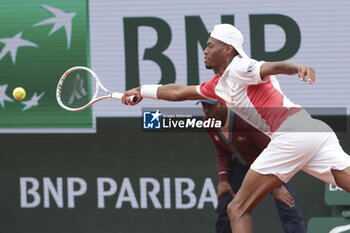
x: 208, y: 67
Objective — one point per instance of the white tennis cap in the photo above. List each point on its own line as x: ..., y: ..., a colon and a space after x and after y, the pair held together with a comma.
x: 229, y: 35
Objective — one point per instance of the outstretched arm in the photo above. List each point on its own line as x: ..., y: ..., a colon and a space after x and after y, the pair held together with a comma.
x: 170, y: 92
x: 175, y: 92
x: 305, y: 73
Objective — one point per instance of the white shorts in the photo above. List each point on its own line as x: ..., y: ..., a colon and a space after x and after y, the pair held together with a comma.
x: 302, y: 143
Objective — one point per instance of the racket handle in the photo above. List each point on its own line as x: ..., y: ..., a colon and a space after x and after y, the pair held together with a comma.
x: 134, y: 98
x: 118, y: 96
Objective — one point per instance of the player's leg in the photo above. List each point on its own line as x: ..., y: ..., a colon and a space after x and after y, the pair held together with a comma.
x: 290, y: 150
x: 290, y: 216
x: 330, y: 164
x: 284, y: 156
x: 342, y: 178
x: 254, y: 189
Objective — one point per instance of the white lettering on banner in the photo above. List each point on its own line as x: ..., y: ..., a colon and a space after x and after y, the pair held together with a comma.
x: 101, y: 193
x: 72, y: 193
x: 334, y: 188
x: 208, y: 188
x: 33, y: 192
x: 188, y: 192
x: 50, y: 192
x: 56, y: 193
x: 130, y: 197
x: 167, y: 193
x: 152, y: 194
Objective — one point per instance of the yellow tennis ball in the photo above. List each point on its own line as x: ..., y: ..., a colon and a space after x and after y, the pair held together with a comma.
x: 19, y: 93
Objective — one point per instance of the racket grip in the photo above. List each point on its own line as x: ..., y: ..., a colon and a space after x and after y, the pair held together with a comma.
x: 134, y: 98
x: 118, y: 96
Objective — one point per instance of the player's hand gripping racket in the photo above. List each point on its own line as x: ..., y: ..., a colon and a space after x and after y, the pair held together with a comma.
x: 79, y: 87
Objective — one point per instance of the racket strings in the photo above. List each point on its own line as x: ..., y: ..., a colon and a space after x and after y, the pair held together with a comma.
x: 78, y: 89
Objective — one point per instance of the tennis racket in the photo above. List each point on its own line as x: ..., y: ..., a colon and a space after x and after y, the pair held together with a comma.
x: 79, y: 87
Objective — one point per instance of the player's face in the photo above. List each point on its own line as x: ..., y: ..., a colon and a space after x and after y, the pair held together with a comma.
x: 214, y: 54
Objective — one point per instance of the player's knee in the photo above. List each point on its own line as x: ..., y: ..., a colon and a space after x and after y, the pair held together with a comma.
x: 233, y: 211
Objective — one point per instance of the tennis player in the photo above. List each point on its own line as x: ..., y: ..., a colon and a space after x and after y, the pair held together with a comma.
x: 237, y: 145
x: 298, y: 142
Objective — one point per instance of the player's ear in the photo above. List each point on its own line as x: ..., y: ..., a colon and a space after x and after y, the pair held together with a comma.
x: 230, y: 50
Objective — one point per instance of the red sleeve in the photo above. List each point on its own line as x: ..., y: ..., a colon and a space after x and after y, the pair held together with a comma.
x: 223, y: 157
x: 207, y: 89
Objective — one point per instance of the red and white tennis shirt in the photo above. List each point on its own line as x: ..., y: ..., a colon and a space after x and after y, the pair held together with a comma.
x: 258, y: 100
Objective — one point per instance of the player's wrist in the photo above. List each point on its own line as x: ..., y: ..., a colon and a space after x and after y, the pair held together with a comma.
x: 223, y: 177
x: 149, y: 91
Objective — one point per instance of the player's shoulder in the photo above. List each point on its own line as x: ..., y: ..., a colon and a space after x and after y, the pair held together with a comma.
x: 213, y: 81
x: 241, y: 66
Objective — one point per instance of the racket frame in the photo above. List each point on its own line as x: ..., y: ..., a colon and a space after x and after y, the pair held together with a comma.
x: 94, y: 99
